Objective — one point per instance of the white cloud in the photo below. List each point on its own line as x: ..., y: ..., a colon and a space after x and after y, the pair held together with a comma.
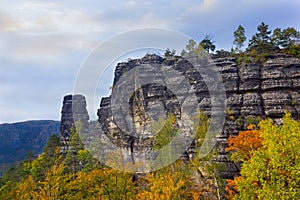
x: 153, y: 20
x: 8, y: 23
x: 131, y: 4
x: 37, y: 5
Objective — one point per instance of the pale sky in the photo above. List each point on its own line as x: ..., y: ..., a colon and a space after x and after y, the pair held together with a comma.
x: 43, y: 43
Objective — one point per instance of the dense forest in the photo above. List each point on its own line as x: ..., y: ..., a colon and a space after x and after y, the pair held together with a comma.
x: 268, y: 153
x: 270, y: 170
x: 24, y: 138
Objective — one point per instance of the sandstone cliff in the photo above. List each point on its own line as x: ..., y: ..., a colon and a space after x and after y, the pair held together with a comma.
x: 254, y: 90
x: 73, y: 110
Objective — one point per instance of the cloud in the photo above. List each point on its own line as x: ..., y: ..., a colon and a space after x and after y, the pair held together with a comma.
x: 46, y: 31
x: 131, y: 4
x: 47, y: 38
x: 8, y: 23
x: 37, y: 5
x: 43, y: 24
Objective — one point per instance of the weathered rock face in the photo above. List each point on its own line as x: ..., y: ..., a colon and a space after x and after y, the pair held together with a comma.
x: 73, y: 110
x: 253, y: 90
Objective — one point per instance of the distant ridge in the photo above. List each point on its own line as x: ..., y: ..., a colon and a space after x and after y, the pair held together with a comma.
x: 17, y: 139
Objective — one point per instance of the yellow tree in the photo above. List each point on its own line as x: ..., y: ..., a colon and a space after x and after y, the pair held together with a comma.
x: 53, y: 187
x: 27, y: 189
x: 273, y: 171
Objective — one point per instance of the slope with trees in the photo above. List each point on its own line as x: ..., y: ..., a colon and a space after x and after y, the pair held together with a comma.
x: 75, y: 174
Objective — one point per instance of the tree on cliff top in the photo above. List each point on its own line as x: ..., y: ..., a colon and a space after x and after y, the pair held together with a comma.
x: 239, y: 38
x: 191, y: 46
x: 285, y: 38
x: 207, y: 44
x: 261, y: 41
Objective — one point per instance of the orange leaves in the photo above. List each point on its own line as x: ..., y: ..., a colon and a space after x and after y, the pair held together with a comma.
x: 243, y: 147
x: 231, y: 188
x: 244, y: 144
x: 270, y: 169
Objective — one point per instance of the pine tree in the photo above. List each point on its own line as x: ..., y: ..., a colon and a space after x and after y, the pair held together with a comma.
x: 239, y: 38
x: 207, y: 44
x: 261, y: 41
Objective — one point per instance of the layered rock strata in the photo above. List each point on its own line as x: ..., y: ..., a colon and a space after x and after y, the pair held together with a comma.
x: 73, y: 111
x: 254, y: 91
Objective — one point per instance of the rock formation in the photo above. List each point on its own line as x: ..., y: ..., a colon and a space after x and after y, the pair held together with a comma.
x: 254, y: 91
x: 73, y: 111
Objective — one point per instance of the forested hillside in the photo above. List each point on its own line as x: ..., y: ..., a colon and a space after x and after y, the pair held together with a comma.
x: 17, y: 139
x: 270, y: 171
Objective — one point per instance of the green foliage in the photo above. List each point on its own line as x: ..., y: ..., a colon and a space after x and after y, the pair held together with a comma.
x: 208, y: 44
x: 261, y: 41
x: 239, y: 38
x: 280, y: 40
x: 252, y: 120
x: 239, y: 121
x: 165, y: 131
x: 46, y: 159
x: 86, y: 160
x: 36, y: 167
x: 291, y: 37
x: 221, y: 53
x: 286, y: 38
x: 51, y: 146
x: 15, y: 174
x: 273, y: 171
x: 74, y: 146
x: 30, y: 136
x: 183, y: 53
x: 169, y: 53
x: 244, y: 58
x: 191, y: 46
x: 261, y: 44
x: 295, y: 50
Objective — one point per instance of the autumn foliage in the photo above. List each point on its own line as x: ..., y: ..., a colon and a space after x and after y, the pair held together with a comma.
x: 244, y: 144
x: 77, y: 175
x: 271, y: 167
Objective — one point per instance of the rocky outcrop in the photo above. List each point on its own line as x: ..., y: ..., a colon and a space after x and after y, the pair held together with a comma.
x: 73, y: 111
x: 253, y: 91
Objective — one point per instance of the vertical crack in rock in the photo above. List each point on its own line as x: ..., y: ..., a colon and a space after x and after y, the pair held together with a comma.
x: 260, y: 91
